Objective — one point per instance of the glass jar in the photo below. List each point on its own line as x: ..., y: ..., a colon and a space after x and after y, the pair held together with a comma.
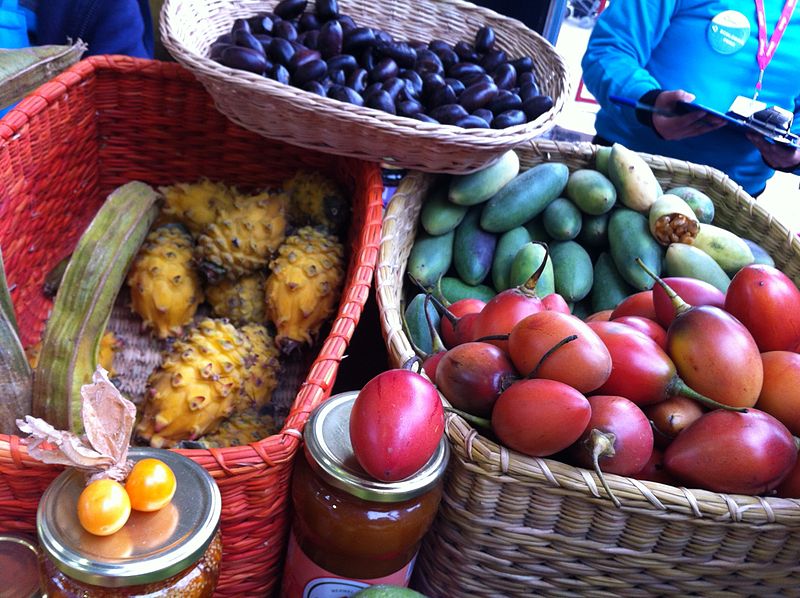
x: 175, y: 551
x: 19, y: 572
x: 349, y: 530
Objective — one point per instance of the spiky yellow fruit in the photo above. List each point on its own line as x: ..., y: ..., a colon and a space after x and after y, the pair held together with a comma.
x: 195, y: 205
x: 240, y: 300
x: 304, y: 285
x: 242, y: 428
x: 198, y: 384
x: 165, y: 287
x: 243, y: 238
x: 262, y: 376
x: 109, y: 346
x: 316, y: 199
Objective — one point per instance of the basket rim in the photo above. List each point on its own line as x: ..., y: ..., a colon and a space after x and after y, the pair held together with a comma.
x: 278, y: 448
x: 205, y: 68
x: 499, y: 462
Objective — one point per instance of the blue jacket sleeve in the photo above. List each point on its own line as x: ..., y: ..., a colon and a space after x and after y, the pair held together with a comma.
x: 118, y: 27
x: 620, y: 47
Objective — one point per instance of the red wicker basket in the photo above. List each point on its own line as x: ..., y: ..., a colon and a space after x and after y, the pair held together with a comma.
x: 106, y: 121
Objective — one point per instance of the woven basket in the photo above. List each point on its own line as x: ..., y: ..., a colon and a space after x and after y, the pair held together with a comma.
x: 512, y: 525
x: 188, y: 27
x: 109, y: 120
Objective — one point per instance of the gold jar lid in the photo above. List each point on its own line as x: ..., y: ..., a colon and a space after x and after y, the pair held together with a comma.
x: 150, y: 547
x: 330, y: 453
x: 19, y: 566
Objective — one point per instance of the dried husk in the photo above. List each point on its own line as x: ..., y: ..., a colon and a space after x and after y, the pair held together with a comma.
x: 23, y: 70
x: 15, y: 372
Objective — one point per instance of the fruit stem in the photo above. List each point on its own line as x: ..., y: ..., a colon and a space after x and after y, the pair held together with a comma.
x: 678, y: 303
x: 529, y: 286
x: 436, y: 340
x: 550, y: 351
x: 437, y: 303
x: 479, y: 422
x: 411, y: 362
x: 679, y: 387
x: 601, y: 444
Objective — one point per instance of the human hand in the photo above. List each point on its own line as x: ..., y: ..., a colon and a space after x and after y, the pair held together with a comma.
x: 685, y: 125
x: 779, y: 157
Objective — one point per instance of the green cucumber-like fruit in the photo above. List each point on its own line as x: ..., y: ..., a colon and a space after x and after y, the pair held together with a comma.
x: 508, y: 245
x: 601, y: 159
x: 591, y: 191
x: 562, y: 219
x: 15, y: 373
x: 82, y: 306
x: 430, y: 257
x: 629, y: 238
x: 572, y: 270
x: 473, y: 249
x: 453, y: 289
x: 727, y: 248
x: 608, y: 286
x: 526, y: 262
x: 691, y: 262
x: 525, y: 197
x: 594, y: 231
x: 477, y: 187
x: 439, y: 215
x: 417, y: 323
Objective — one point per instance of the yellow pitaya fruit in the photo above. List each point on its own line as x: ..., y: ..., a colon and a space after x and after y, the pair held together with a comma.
x: 109, y: 346
x: 241, y: 300
x: 242, y: 428
x: 165, y: 287
x: 316, y: 199
x: 243, y: 239
x: 198, y: 385
x: 262, y: 376
x: 304, y: 285
x: 195, y: 205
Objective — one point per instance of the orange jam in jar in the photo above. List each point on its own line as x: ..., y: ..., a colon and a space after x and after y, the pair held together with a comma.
x: 173, y: 552
x: 349, y: 530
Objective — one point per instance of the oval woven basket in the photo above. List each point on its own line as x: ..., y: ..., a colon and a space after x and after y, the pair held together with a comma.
x: 104, y: 122
x: 188, y: 27
x: 513, y: 525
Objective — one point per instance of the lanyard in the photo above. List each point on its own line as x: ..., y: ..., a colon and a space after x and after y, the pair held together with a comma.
x: 767, y: 51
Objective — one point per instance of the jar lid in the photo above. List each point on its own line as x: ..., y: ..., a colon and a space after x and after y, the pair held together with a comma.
x: 150, y: 547
x: 330, y: 454
x: 19, y: 566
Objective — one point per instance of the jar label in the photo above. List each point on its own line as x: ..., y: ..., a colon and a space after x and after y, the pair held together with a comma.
x: 303, y: 578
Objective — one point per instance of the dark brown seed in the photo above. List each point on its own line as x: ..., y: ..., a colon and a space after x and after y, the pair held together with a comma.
x: 347, y: 22
x: 289, y: 9
x: 523, y: 65
x: 358, y: 38
x: 245, y: 39
x: 326, y: 9
x: 409, y: 108
x: 448, y: 58
x: 438, y: 44
x: 442, y: 95
x: 385, y: 69
x: 404, y: 55
x: 461, y: 69
x: 337, y: 77
x: 310, y: 39
x: 504, y: 101
x: 428, y: 62
x: 330, y: 39
x: 425, y: 118
x: 510, y: 118
x: 457, y: 85
x: 280, y: 50
x: 528, y: 91
x: 345, y: 62
x: 314, y: 87
x: 448, y: 113
x: 345, y: 94
x: 308, y: 71
x: 280, y: 73
x: 505, y: 76
x: 393, y: 86
x: 357, y: 80
x: 309, y: 22
x: 492, y: 60
x: 485, y: 114
x: 466, y: 51
x: 535, y: 106
x: 471, y: 122
x: 484, y: 39
x: 414, y: 80
x: 245, y: 59
x: 286, y: 30
x: 240, y: 25
x: 381, y: 100
x: 477, y: 95
x: 267, y: 22
x: 301, y: 57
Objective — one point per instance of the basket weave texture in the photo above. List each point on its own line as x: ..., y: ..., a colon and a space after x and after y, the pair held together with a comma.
x: 513, y: 525
x: 106, y: 121
x: 189, y: 27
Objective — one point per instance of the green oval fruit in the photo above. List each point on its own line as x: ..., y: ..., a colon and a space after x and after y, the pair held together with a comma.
x: 701, y: 204
x: 439, y: 215
x: 526, y: 262
x: 477, y: 187
x: 562, y: 219
x: 591, y: 191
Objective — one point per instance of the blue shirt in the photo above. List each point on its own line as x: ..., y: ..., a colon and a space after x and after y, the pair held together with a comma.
x: 641, y: 45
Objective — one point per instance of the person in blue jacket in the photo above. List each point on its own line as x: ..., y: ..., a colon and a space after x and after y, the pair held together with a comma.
x: 662, y: 51
x: 107, y: 26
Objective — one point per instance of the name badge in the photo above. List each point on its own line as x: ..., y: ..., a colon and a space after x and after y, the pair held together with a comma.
x: 728, y: 31
x: 746, y: 107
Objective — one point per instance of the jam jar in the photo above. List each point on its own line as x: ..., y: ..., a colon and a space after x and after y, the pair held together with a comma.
x: 175, y: 551
x: 349, y: 530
